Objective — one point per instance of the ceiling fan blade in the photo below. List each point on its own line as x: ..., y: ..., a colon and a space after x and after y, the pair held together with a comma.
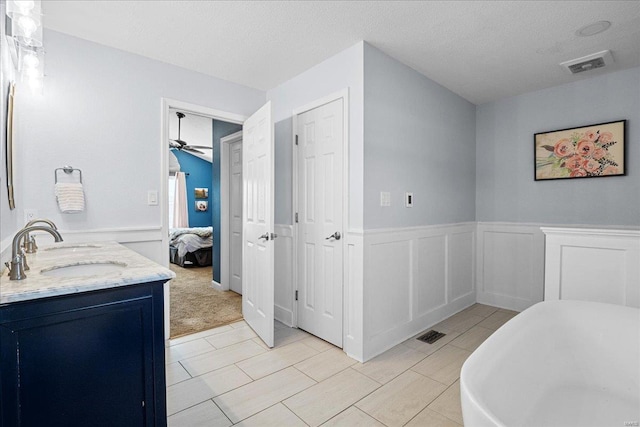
x: 201, y: 146
x: 193, y: 150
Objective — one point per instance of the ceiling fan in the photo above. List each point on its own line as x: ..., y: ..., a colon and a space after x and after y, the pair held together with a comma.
x: 179, y: 144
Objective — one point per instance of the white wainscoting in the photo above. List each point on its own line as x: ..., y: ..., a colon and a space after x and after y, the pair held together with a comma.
x: 353, y: 294
x: 510, y: 265
x: 414, y: 278
x: 284, y: 293
x: 601, y: 265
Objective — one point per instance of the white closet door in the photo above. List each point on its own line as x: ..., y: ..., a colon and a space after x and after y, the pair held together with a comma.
x: 320, y: 228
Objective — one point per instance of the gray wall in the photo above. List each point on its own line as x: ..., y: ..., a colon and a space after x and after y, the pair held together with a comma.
x: 100, y: 112
x: 341, y: 71
x: 506, y: 190
x: 418, y: 137
x: 9, y: 219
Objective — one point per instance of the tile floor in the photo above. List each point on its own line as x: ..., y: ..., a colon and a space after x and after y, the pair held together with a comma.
x: 227, y: 376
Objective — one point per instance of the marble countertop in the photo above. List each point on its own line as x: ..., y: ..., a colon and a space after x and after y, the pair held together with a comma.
x: 36, y: 285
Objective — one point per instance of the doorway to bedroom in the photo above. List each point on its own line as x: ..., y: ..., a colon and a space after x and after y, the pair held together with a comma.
x: 196, y: 210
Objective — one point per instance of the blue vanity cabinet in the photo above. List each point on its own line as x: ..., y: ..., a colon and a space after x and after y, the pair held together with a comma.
x: 87, y: 359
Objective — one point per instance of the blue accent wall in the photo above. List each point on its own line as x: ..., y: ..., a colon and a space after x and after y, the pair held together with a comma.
x: 200, y: 176
x: 220, y: 130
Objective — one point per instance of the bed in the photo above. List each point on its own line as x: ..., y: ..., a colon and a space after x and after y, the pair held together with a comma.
x: 191, y: 247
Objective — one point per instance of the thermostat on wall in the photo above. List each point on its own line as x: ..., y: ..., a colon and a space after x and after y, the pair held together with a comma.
x: 408, y: 200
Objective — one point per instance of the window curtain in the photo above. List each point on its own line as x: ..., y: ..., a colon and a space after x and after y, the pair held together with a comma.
x: 180, y: 211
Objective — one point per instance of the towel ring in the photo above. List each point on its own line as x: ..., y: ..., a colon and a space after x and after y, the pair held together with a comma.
x: 68, y: 170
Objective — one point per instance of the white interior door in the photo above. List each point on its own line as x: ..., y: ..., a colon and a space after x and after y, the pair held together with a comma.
x: 235, y: 217
x: 320, y: 187
x: 257, y: 223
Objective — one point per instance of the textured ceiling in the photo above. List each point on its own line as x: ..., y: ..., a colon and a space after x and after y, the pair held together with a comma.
x: 482, y: 50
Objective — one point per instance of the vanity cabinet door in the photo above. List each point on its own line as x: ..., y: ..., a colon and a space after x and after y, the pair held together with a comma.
x: 82, y: 362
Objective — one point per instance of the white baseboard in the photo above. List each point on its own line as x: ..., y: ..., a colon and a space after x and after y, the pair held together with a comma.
x: 217, y: 286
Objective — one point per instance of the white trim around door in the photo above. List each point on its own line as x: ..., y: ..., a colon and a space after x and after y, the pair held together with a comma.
x: 344, y: 96
x: 165, y: 105
x: 225, y: 200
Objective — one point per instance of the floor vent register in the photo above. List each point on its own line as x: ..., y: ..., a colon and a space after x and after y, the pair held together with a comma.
x: 430, y: 337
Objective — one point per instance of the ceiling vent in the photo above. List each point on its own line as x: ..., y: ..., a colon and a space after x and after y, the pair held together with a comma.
x: 589, y: 62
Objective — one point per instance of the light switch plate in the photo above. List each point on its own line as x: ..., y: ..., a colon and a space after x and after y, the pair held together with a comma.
x: 152, y: 198
x: 385, y: 198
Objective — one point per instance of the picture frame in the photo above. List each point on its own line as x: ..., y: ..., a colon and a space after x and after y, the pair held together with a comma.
x: 201, y: 193
x: 202, y: 205
x: 592, y: 151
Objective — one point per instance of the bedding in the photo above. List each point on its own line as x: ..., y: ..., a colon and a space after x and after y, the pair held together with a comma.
x: 191, y: 246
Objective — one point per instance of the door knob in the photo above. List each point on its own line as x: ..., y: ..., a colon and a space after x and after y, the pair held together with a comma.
x: 335, y: 235
x: 268, y: 236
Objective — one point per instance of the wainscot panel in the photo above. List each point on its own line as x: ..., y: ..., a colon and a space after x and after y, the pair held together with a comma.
x: 284, y: 293
x: 414, y: 278
x: 510, y: 265
x: 601, y: 265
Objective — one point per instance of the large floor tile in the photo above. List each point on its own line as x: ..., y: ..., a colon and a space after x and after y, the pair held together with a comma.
x: 317, y: 343
x: 497, y: 319
x: 427, y: 349
x: 448, y: 403
x: 390, y: 364
x: 460, y: 322
x: 286, y: 336
x: 276, y: 416
x: 217, y: 359
x: 324, y: 400
x: 231, y: 337
x: 323, y: 365
x: 398, y: 401
x: 471, y: 339
x: 431, y: 419
x: 444, y: 365
x: 240, y: 324
x: 352, y: 417
x: 205, y: 414
x: 198, y: 335
x: 178, y: 352
x: 252, y: 398
x: 176, y: 373
x: 196, y: 390
x: 480, y: 310
x: 275, y: 360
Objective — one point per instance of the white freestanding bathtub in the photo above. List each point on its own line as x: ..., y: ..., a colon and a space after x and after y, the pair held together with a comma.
x: 558, y: 363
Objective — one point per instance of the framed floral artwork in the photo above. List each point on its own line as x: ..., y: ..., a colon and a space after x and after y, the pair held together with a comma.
x: 585, y: 152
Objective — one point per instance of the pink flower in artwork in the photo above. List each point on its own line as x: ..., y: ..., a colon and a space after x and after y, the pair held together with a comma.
x: 610, y: 170
x: 590, y: 165
x: 605, y: 137
x: 577, y: 173
x: 591, y: 135
x: 563, y: 148
x: 574, y: 163
x: 586, y: 148
x: 599, y: 153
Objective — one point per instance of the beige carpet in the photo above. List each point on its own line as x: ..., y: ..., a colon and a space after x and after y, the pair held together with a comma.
x: 196, y: 306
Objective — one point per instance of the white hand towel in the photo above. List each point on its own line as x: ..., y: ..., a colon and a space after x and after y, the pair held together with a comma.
x: 70, y: 197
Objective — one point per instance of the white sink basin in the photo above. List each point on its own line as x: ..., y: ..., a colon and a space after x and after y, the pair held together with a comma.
x: 84, y: 269
x: 71, y: 248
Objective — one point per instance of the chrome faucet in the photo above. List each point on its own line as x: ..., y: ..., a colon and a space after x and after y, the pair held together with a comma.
x: 18, y: 256
x: 29, y: 244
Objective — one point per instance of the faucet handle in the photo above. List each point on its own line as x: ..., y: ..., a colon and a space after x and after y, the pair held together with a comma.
x: 8, y: 264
